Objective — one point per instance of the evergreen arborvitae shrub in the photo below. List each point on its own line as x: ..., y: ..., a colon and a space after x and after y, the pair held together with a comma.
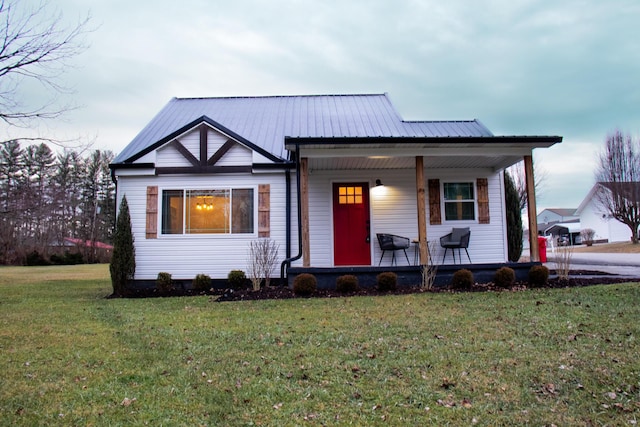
x: 347, y: 283
x: 505, y: 277
x: 538, y: 276
x: 123, y: 259
x: 237, y: 279
x: 164, y: 282
x: 201, y: 282
x: 305, y: 284
x: 514, y: 219
x: 462, y: 279
x: 387, y: 281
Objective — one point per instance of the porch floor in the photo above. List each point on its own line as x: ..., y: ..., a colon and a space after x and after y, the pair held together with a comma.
x: 407, y: 275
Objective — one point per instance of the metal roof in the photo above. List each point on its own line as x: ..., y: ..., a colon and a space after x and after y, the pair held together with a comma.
x: 265, y: 121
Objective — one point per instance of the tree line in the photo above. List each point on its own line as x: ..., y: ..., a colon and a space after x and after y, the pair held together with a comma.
x: 46, y: 197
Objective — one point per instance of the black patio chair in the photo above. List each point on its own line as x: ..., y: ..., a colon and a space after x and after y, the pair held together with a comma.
x: 393, y: 243
x: 457, y: 239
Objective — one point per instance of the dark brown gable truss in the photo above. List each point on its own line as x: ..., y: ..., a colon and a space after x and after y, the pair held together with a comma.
x: 202, y: 165
x: 206, y: 166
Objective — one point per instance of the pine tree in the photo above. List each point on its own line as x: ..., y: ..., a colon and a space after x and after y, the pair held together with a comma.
x: 123, y: 262
x: 514, y: 218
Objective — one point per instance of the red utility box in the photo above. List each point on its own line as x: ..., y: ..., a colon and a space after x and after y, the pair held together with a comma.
x: 542, y: 248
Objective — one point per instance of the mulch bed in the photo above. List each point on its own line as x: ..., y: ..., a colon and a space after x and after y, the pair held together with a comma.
x: 576, y: 279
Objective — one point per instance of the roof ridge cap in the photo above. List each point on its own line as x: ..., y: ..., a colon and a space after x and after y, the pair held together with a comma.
x: 277, y: 96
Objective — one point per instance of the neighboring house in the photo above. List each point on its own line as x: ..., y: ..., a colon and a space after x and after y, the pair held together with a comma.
x: 207, y: 176
x: 594, y: 216
x: 549, y: 216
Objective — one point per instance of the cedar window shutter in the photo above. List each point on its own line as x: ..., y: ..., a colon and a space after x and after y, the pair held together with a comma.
x: 152, y: 213
x: 483, y: 200
x: 435, y: 216
x: 264, y: 210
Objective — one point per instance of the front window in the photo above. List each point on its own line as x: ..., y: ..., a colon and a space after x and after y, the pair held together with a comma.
x: 215, y: 211
x: 459, y: 201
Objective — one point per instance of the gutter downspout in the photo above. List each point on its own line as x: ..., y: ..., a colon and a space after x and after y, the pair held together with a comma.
x: 287, y: 262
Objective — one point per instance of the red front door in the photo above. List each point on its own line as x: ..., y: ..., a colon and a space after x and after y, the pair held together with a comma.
x: 351, y: 224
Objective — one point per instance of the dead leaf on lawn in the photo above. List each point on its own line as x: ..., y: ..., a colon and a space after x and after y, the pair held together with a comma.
x: 127, y: 402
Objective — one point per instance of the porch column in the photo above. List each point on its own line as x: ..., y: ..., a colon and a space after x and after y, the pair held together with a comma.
x: 422, y: 211
x: 531, y: 208
x: 304, y: 211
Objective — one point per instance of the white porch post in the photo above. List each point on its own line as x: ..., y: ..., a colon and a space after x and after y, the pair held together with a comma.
x: 531, y: 208
x: 422, y: 211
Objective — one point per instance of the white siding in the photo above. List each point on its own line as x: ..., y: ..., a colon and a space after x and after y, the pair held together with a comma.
x: 238, y: 155
x: 185, y: 256
x: 215, y: 140
x: 394, y: 210
x: 169, y: 156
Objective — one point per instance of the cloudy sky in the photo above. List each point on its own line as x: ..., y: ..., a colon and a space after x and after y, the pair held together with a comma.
x: 547, y: 67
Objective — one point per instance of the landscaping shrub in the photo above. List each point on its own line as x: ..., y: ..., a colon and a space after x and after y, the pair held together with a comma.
x: 347, y: 283
x: 387, y: 281
x: 237, y: 279
x: 462, y: 279
x: 505, y: 277
x: 35, y: 258
x: 123, y: 258
x: 202, y: 282
x: 164, y: 282
x: 67, y: 259
x: 538, y: 276
x: 305, y: 284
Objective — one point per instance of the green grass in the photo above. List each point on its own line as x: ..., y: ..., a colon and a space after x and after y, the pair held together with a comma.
x: 72, y: 357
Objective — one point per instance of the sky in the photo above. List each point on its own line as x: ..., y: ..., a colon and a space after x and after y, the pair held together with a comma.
x: 547, y: 67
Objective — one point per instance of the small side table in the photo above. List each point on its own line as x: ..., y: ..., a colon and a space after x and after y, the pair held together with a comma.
x: 416, y: 250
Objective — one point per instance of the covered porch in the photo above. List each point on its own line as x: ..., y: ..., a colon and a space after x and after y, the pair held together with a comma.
x: 411, y: 203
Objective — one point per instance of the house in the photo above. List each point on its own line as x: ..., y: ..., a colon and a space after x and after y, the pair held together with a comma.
x: 593, y: 215
x: 207, y: 176
x: 553, y: 215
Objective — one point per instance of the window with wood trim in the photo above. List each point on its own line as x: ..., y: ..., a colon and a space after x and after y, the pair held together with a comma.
x: 211, y: 211
x: 459, y: 201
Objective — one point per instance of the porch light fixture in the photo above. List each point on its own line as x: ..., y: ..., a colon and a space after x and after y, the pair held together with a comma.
x: 379, y: 183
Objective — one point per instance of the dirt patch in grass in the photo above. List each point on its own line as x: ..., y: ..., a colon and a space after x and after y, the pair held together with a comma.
x: 577, y: 278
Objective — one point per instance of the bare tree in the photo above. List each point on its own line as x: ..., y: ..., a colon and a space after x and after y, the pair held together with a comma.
x: 520, y: 180
x: 618, y: 177
x: 35, y: 48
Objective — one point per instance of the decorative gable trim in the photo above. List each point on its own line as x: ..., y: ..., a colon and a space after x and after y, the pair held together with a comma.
x: 221, y: 152
x: 196, y: 123
x: 184, y: 151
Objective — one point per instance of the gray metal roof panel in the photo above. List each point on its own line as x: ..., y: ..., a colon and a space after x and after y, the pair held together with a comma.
x: 266, y: 121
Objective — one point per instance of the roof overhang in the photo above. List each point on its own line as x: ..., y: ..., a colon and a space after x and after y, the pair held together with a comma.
x: 494, y: 152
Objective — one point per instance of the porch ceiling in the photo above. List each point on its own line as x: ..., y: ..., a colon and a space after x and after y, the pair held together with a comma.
x: 430, y: 162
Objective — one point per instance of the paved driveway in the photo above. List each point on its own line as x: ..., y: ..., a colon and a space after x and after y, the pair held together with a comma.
x: 622, y: 264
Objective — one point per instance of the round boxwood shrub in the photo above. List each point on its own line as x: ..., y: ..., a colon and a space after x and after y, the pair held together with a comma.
x: 305, y: 284
x: 164, y: 282
x: 538, y: 276
x: 347, y: 283
x: 237, y: 279
x: 201, y: 282
x: 505, y: 277
x: 387, y: 281
x: 462, y: 279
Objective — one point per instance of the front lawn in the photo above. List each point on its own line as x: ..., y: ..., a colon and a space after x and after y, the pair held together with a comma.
x: 541, y: 357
